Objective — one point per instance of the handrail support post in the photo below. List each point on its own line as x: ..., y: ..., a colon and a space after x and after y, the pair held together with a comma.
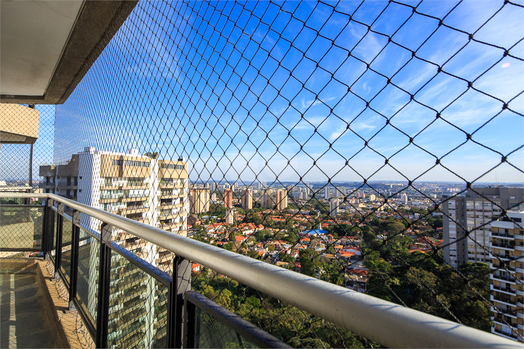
x: 104, y: 281
x: 177, y: 320
x: 59, y: 231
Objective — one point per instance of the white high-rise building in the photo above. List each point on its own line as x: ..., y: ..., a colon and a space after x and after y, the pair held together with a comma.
x: 471, y: 215
x: 334, y: 207
x: 404, y: 198
x: 266, y: 199
x: 135, y: 186
x: 507, y: 241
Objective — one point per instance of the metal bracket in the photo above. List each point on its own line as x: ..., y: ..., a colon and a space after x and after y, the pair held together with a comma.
x: 76, y: 217
x: 60, y: 208
x: 50, y: 202
x: 106, y: 231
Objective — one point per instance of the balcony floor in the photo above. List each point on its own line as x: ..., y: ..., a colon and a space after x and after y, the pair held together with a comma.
x: 25, y: 320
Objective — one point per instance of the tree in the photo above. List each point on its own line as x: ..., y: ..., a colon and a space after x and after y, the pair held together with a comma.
x: 307, y: 261
x: 152, y: 155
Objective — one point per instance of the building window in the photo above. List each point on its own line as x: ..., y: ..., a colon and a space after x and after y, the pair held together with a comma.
x: 172, y: 166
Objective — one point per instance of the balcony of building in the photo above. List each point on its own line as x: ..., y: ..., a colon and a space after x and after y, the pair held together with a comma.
x: 505, y: 321
x: 105, y: 280
x: 128, y: 198
x: 506, y: 334
x: 507, y: 301
x: 502, y: 245
x: 504, y: 266
x: 507, y: 278
x: 508, y: 312
x: 133, y: 209
x: 502, y: 235
x: 169, y: 204
x: 130, y: 293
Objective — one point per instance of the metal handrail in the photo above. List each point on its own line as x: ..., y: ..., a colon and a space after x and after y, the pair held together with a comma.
x: 384, y: 322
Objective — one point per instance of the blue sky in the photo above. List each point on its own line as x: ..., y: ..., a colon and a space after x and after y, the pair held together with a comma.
x: 250, y: 89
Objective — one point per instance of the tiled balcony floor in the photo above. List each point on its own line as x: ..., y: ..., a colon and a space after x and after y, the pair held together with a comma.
x: 25, y: 322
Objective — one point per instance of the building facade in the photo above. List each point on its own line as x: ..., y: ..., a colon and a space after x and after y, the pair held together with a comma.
x: 281, y: 199
x: 199, y: 199
x: 473, y: 213
x: 247, y: 199
x: 228, y: 198
x: 267, y: 199
x: 334, y: 205
x: 507, y: 274
x: 135, y: 186
x: 61, y: 179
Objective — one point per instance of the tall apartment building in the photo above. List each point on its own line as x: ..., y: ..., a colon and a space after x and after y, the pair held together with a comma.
x: 231, y: 216
x: 228, y: 198
x: 507, y: 275
x: 281, y: 199
x: 334, y: 205
x: 135, y: 186
x: 473, y: 212
x: 247, y: 199
x: 404, y: 198
x: 61, y: 179
x: 199, y: 200
x: 267, y: 199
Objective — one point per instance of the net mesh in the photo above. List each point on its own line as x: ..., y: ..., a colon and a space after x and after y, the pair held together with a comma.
x: 374, y: 145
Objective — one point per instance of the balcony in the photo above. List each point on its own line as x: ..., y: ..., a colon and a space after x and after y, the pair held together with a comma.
x: 509, y: 313
x: 133, y: 209
x: 503, y: 267
x: 170, y: 196
x: 90, y: 264
x: 503, y: 257
x: 505, y: 290
x: 504, y: 300
x: 170, y: 226
x: 309, y: 101
x: 165, y: 206
x: 505, y: 278
x: 171, y: 185
x: 109, y: 199
x: 512, y: 336
x: 63, y: 186
x: 502, y: 245
x: 505, y: 236
x: 503, y: 225
x: 506, y: 322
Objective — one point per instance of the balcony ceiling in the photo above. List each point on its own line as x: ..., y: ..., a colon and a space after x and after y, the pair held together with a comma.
x: 48, y: 46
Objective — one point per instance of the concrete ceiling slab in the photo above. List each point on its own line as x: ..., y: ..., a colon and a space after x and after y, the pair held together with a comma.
x: 48, y: 46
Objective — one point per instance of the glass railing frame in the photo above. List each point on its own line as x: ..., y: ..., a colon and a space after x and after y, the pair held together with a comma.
x: 55, y: 217
x: 3, y: 249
